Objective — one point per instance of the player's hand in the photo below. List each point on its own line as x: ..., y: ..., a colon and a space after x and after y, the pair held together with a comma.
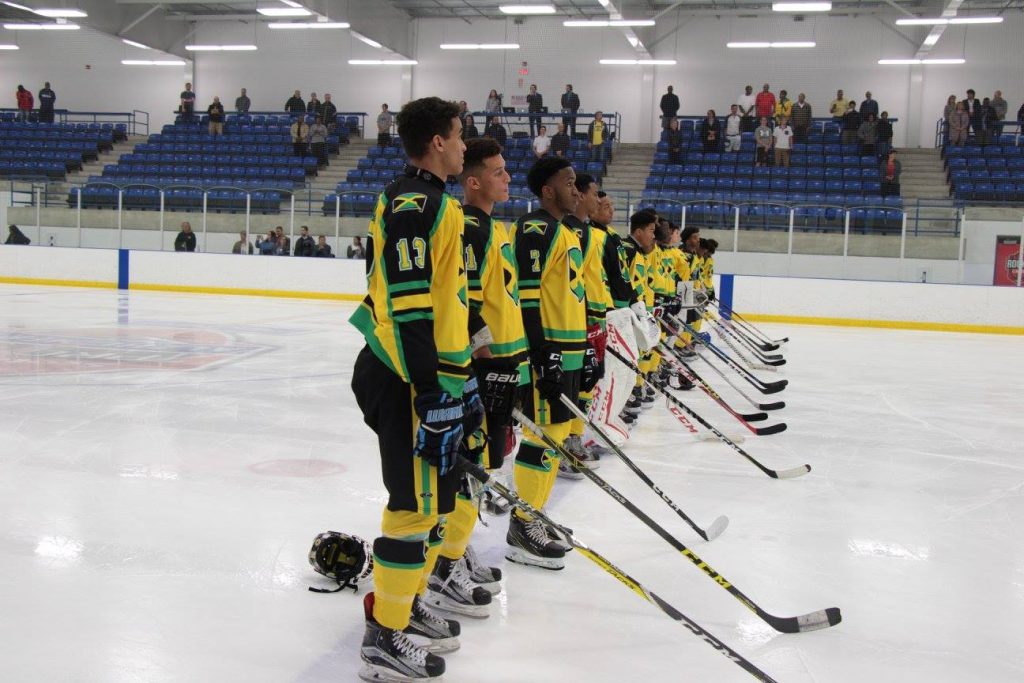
x: 439, y: 435
x: 547, y: 365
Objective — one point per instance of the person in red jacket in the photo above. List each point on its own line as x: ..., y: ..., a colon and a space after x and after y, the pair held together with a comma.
x: 765, y: 103
x: 25, y: 103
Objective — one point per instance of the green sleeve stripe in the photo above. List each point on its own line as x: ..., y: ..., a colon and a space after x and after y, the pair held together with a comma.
x: 529, y: 283
x: 410, y: 317
x: 580, y: 335
x: 398, y: 287
x: 509, y: 348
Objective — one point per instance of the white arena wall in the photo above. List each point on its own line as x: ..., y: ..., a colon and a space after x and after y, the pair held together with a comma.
x: 838, y: 302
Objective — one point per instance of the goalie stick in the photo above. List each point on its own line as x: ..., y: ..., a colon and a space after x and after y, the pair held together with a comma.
x: 478, y: 473
x: 774, y: 474
x: 807, y: 622
x: 763, y: 387
x: 716, y: 528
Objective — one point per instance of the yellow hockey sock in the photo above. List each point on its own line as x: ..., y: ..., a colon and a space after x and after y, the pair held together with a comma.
x: 461, y: 523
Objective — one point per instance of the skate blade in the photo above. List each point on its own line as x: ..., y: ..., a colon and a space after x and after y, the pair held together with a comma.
x: 442, y: 603
x: 520, y: 556
x: 374, y: 674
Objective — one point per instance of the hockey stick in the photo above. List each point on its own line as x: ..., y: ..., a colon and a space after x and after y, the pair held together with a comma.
x: 722, y: 329
x: 763, y: 387
x: 478, y: 473
x: 773, y: 429
x: 807, y: 622
x: 752, y: 364
x: 748, y: 336
x: 745, y: 420
x: 733, y: 315
x: 778, y: 405
x: 716, y: 528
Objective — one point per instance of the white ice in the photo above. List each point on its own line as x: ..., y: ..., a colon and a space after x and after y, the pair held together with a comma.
x: 167, y: 459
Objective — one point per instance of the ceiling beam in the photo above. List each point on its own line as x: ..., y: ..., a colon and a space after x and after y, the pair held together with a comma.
x: 935, y: 34
x: 145, y: 15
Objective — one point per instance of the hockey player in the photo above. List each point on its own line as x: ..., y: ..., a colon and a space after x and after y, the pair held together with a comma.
x: 413, y: 383
x: 499, y: 359
x: 690, y: 244
x: 639, y: 246
x: 550, y: 263
x: 595, y: 283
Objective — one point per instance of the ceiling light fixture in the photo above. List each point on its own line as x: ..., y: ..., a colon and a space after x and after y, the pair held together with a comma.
x: 382, y: 62
x: 308, y: 24
x: 781, y: 44
x: 898, y: 62
x: 134, y: 44
x: 369, y: 41
x: 291, y: 3
x: 9, y: 47
x: 153, y: 62
x: 220, y: 48
x: 638, y: 62
x: 17, y: 6
x: 801, y: 6
x: 61, y: 13
x: 480, y: 46
x: 527, y: 9
x: 597, y: 23
x: 943, y: 21
x: 284, y: 11
x: 931, y: 39
x: 41, y: 27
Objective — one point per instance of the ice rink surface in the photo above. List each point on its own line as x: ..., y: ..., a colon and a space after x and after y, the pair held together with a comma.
x: 166, y: 460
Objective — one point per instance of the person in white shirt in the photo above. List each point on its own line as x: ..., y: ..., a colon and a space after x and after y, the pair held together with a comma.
x: 746, y: 104
x: 541, y: 143
x: 783, y: 142
x: 732, y: 130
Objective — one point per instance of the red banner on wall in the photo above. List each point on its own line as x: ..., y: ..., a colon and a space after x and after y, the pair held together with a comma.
x: 1007, y: 264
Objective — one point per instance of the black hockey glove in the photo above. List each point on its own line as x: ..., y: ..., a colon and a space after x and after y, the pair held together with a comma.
x: 440, y: 432
x: 673, y: 306
x: 593, y: 371
x: 547, y: 366
x: 499, y: 381
x: 473, y: 407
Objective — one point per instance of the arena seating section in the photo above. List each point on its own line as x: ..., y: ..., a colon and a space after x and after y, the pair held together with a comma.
x: 358, y: 193
x: 824, y: 179
x: 993, y: 172
x: 50, y: 150
x: 254, y: 156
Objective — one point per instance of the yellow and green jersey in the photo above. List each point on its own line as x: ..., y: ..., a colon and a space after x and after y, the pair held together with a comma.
x: 494, y: 287
x: 707, y: 275
x: 659, y: 264
x: 595, y: 280
x: 415, y: 316
x: 549, y: 262
x: 639, y: 275
x: 620, y: 288
x: 679, y: 267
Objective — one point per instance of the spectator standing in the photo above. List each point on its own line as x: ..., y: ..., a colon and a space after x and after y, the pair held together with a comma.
x: 947, y: 113
x: 884, y: 135
x: 282, y: 243
x: 186, y: 239
x: 188, y: 103
x: 304, y: 246
x: 711, y: 132
x: 674, y: 138
x: 314, y: 107
x: 493, y: 102
x: 987, y: 122
x: 764, y: 104
x: 496, y: 130
x: 733, y: 137
x: 868, y: 134
x: 239, y: 246
x: 560, y: 142
x: 47, y: 98
x: 385, y: 120
x: 469, y: 129
x: 746, y: 104
x: 463, y: 111
x: 973, y: 108
x: 541, y: 143
x: 268, y: 244
x: 535, y: 106
x: 329, y: 113
x: 669, y: 107
x: 242, y: 103
x: 839, y: 105
x: 1020, y: 114
x: 959, y: 123
x: 355, y: 250
x: 16, y: 236
x: 300, y: 133
x: 25, y: 103
x: 323, y: 250
x: 318, y: 141
x: 890, y: 172
x: 215, y: 116
x: 570, y: 105
x: 998, y: 103
x: 801, y: 118
x: 783, y: 141
x: 851, y: 123
x: 597, y: 137
x: 868, y: 106
x: 763, y: 140
x: 784, y: 107
x: 295, y: 105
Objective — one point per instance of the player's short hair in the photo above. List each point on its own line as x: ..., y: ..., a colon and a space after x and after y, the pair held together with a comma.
x: 478, y: 151
x: 420, y: 120
x: 641, y: 219
x: 710, y: 245
x: 583, y: 181
x: 542, y: 171
x: 688, y: 232
x: 663, y: 231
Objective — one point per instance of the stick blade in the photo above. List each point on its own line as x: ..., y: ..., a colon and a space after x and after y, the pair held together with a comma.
x: 770, y: 429
x: 755, y: 417
x: 779, y: 405
x: 814, y: 621
x: 716, y: 528
x: 774, y: 387
x: 793, y: 472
